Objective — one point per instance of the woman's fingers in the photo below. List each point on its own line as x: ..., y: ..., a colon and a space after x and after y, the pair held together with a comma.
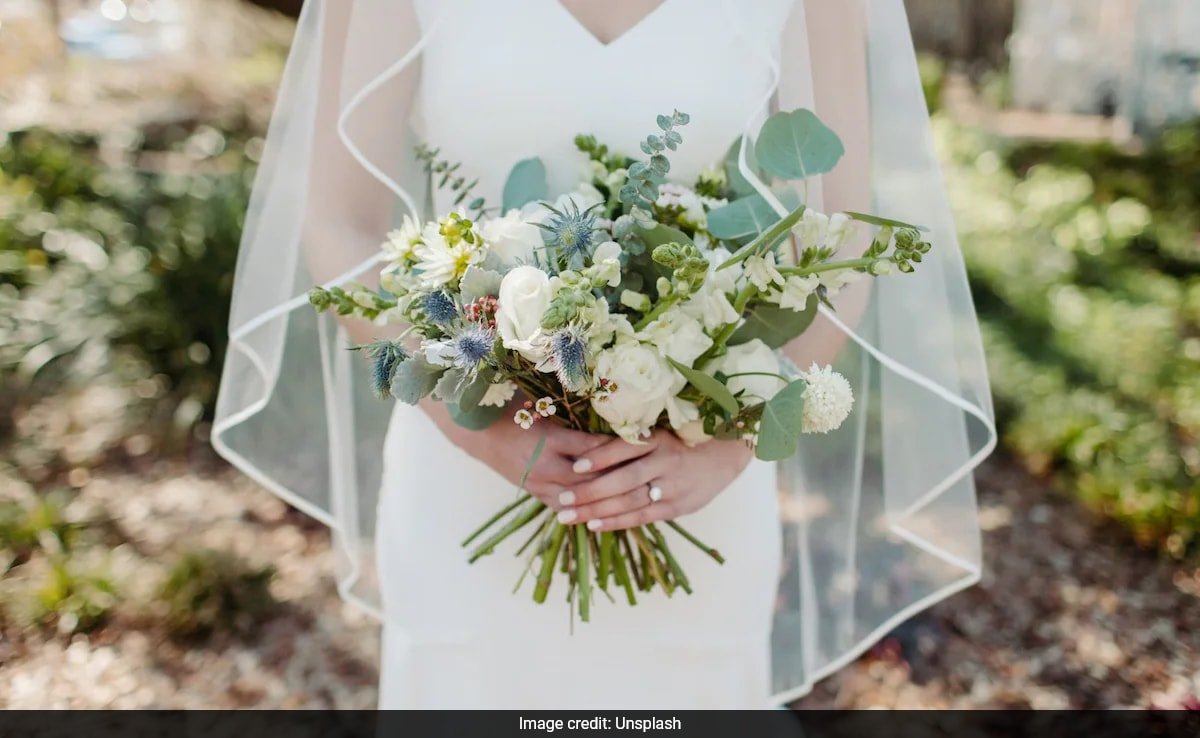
x: 650, y: 513
x: 617, y: 482
x: 615, y: 452
x: 609, y: 507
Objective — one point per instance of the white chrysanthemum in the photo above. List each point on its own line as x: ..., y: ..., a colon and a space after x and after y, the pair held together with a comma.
x: 400, y: 244
x: 761, y: 271
x: 828, y: 399
x: 439, y: 262
x: 498, y: 394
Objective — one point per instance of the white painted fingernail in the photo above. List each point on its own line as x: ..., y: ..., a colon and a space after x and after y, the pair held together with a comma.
x: 566, y: 497
x: 582, y: 466
x: 567, y: 516
x: 593, y: 524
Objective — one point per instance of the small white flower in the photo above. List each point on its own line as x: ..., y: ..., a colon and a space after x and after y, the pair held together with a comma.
x: 545, y: 407
x: 795, y: 292
x: 523, y: 418
x: 510, y: 238
x: 398, y: 249
x: 835, y: 280
x: 439, y: 262
x: 828, y: 399
x: 841, y: 228
x: 761, y: 271
x: 606, y: 264
x: 498, y: 394
x: 812, y: 229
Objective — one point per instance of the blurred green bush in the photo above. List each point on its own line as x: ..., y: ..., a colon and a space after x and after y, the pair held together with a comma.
x: 1085, y: 264
x: 116, y: 266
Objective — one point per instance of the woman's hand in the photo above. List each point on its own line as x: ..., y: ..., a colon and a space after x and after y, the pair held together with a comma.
x: 617, y: 493
x: 507, y: 448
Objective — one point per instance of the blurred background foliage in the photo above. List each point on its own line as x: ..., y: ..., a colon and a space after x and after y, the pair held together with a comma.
x: 117, y: 251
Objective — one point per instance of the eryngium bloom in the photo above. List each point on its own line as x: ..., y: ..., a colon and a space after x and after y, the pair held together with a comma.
x: 572, y: 232
x: 439, y: 308
x: 385, y: 357
x: 471, y: 346
x: 569, y: 354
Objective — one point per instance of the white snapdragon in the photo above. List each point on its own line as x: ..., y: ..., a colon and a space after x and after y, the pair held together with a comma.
x: 840, y: 229
x: 812, y: 229
x: 828, y: 399
x: 835, y: 280
x: 638, y: 383
x: 606, y: 264
x: 761, y: 271
x: 511, y: 238
x: 795, y: 292
x: 525, y: 294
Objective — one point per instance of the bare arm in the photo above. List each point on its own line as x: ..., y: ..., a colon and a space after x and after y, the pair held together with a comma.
x: 837, y: 32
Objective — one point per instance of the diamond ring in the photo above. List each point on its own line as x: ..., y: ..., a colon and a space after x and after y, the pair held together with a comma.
x: 656, y: 493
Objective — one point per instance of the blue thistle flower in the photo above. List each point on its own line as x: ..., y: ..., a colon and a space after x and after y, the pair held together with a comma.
x: 385, y: 358
x: 572, y: 232
x: 439, y: 308
x: 569, y: 349
x: 471, y: 346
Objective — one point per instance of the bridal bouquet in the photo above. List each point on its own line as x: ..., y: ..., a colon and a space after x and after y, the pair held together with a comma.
x: 633, y: 303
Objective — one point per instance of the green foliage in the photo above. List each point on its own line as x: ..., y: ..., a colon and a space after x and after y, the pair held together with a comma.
x: 745, y: 218
x: 215, y: 591
x: 414, y: 378
x: 526, y: 183
x: 709, y: 386
x: 773, y: 325
x: 641, y: 187
x: 782, y: 423
x: 796, y: 145
x: 1086, y: 271
x: 443, y: 174
x: 117, y: 271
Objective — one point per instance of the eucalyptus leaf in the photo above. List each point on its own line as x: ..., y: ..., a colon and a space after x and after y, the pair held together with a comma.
x: 709, y: 386
x: 797, y: 145
x: 773, y: 325
x: 660, y: 234
x: 526, y: 183
x: 477, y: 418
x: 746, y: 218
x: 883, y: 222
x: 415, y: 378
x: 782, y: 423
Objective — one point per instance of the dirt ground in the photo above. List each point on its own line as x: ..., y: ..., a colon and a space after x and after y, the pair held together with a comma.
x: 1069, y: 614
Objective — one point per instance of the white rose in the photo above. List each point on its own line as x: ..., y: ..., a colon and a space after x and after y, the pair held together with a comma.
x: 678, y: 336
x: 642, y: 379
x: 511, y: 238
x: 711, y: 306
x: 525, y: 294
x: 754, y: 356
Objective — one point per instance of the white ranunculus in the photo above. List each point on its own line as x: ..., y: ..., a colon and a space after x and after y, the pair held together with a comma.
x: 678, y: 336
x: 642, y: 379
x: 753, y: 356
x: 525, y: 295
x: 511, y: 238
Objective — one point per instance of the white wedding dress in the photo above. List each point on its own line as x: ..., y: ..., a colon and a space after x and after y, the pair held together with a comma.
x: 455, y: 635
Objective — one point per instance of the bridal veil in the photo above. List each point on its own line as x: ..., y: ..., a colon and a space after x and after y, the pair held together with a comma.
x: 879, y: 518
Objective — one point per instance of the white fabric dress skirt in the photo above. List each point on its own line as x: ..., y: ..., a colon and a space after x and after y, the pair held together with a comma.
x: 457, y: 637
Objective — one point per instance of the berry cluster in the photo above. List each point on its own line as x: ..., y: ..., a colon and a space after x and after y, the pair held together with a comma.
x: 482, y: 310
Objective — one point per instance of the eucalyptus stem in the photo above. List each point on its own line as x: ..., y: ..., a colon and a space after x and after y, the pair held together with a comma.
x: 549, y: 559
x: 672, y: 564
x: 716, y: 555
x: 583, y: 572
x: 492, y: 520
x: 621, y: 573
x: 513, y: 526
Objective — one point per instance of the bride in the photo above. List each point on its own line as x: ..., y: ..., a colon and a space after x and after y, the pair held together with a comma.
x: 825, y: 552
